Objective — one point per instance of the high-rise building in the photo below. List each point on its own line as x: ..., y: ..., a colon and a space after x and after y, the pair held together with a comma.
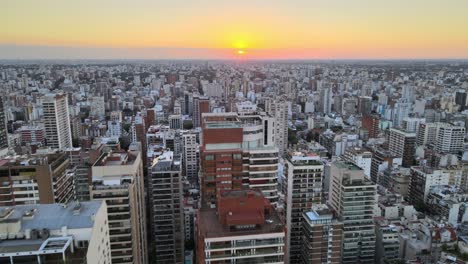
x: 371, y: 123
x: 117, y: 178
x: 364, y: 105
x: 279, y: 110
x: 322, y: 236
x: 221, y: 155
x: 36, y: 179
x: 190, y: 157
x: 32, y: 135
x: 460, y: 99
x: 200, y: 105
x: 166, y: 209
x: 382, y: 159
x: 3, y: 130
x: 422, y: 179
x: 302, y: 188
x: 353, y: 197
x: 402, y: 109
x: 450, y: 138
x: 175, y: 121
x: 55, y: 233
x: 254, y: 147
x: 57, y: 121
x: 244, y: 228
x: 402, y: 144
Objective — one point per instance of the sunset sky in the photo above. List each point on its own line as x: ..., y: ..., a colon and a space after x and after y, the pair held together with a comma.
x: 210, y: 29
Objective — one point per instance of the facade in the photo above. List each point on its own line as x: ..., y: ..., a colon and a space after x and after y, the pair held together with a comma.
x: 36, y: 179
x: 382, y: 159
x: 117, y: 178
x: 359, y: 157
x: 166, y: 209
x: 243, y: 229
x: 322, y: 236
x: 353, y: 198
x: 371, y: 124
x: 57, y: 121
x: 387, y: 242
x: 55, y: 233
x: 302, y: 188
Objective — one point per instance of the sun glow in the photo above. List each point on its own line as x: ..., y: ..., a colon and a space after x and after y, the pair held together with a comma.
x: 240, y: 52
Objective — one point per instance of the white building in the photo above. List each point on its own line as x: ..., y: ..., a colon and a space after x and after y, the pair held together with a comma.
x: 57, y: 121
x: 52, y: 233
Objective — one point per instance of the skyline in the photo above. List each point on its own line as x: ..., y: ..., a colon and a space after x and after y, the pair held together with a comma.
x: 261, y: 29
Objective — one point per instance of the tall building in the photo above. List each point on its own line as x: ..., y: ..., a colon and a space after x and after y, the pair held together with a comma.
x: 422, y: 179
x: 200, y: 105
x: 175, y: 121
x: 57, y: 121
x: 258, y: 164
x: 460, y: 99
x: 353, y: 197
x: 190, y: 157
x: 3, y: 130
x: 371, y: 124
x: 220, y: 155
x: 302, y: 188
x: 450, y: 139
x: 244, y: 228
x: 117, y: 178
x: 55, y: 233
x: 402, y: 109
x: 364, y: 105
x: 166, y: 209
x: 322, y: 236
x: 402, y: 144
x: 382, y: 159
x: 279, y: 110
x: 36, y: 179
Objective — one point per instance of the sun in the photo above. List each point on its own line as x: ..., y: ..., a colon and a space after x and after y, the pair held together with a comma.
x: 241, y: 52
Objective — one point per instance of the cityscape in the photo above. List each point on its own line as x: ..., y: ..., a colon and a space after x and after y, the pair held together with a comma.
x: 214, y: 137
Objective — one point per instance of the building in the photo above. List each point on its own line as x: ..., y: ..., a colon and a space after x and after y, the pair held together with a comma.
x: 353, y: 197
x: 3, y: 130
x: 36, y: 179
x: 244, y: 228
x: 381, y: 160
x: 422, y: 179
x: 190, y: 157
x: 336, y: 144
x: 279, y: 110
x: 322, y: 236
x: 221, y: 155
x: 240, y: 145
x: 371, y: 124
x: 56, y: 121
x: 166, y: 209
x: 200, y: 105
x: 450, y: 138
x: 117, y: 178
x: 32, y: 135
x: 55, y: 233
x: 175, y: 121
x: 359, y: 157
x: 302, y: 188
x: 403, y: 144
x: 364, y: 106
x: 387, y: 242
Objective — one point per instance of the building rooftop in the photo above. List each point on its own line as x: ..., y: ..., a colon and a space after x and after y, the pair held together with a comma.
x: 51, y: 216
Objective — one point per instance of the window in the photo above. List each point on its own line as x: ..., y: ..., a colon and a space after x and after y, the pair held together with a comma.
x: 209, y: 157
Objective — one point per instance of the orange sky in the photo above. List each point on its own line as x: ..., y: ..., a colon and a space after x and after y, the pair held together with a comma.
x: 275, y: 29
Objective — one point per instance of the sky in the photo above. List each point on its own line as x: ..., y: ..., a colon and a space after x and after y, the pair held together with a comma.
x: 236, y: 29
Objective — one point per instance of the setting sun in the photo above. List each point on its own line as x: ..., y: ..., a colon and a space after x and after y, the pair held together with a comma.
x: 240, y: 52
